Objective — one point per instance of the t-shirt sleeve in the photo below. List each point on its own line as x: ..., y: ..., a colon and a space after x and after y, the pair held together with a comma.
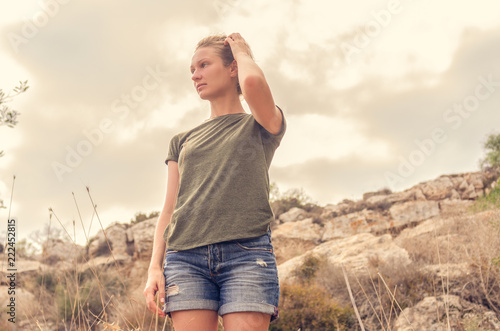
x: 173, y: 150
x: 275, y: 139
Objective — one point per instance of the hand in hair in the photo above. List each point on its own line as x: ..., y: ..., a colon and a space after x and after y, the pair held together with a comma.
x: 238, y: 45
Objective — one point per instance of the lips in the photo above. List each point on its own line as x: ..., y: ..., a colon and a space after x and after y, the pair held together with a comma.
x: 200, y: 85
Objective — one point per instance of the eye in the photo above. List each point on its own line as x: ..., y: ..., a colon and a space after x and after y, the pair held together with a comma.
x: 204, y: 64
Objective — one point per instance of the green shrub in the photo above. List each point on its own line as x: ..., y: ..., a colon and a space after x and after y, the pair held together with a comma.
x: 292, y: 198
x: 87, y: 297
x: 307, y: 271
x: 308, y: 307
x: 47, y: 280
x: 492, y: 146
x: 141, y: 217
x: 490, y: 201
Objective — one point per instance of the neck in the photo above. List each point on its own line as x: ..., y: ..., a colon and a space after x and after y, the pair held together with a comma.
x: 229, y: 104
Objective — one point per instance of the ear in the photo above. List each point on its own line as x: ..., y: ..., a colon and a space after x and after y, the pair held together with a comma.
x: 234, y: 69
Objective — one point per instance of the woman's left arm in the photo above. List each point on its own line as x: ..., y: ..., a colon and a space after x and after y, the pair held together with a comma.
x: 254, y: 86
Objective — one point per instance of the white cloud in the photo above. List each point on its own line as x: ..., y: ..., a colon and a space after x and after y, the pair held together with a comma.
x: 311, y: 136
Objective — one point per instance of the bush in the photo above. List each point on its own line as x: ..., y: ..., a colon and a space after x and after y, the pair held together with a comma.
x: 490, y: 201
x: 141, y: 217
x: 492, y: 146
x: 292, y: 198
x: 84, y: 297
x: 308, y: 307
x: 307, y: 271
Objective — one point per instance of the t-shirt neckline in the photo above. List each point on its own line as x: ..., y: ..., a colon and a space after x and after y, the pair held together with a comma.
x: 222, y: 116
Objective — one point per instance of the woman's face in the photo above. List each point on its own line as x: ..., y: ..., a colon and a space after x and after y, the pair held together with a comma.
x: 211, y: 78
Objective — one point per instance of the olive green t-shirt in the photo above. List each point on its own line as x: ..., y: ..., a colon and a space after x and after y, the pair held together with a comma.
x: 223, y: 181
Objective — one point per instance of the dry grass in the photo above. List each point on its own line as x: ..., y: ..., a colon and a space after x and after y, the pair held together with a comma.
x: 454, y: 257
x: 86, y: 297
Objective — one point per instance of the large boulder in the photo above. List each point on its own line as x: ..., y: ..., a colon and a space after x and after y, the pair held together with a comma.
x: 445, y: 311
x: 356, y: 253
x: 359, y: 222
x: 142, y: 235
x: 413, y: 211
x: 305, y: 230
x: 56, y: 250
x: 430, y: 314
x: 116, y: 235
x: 293, y: 215
x: 437, y: 189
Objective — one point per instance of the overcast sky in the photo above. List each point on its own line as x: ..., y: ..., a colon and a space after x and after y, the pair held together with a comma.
x: 376, y: 94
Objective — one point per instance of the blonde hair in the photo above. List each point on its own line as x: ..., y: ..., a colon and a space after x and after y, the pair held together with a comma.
x: 224, y: 51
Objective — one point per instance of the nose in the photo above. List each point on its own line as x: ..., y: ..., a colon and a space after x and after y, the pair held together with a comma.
x: 195, y: 76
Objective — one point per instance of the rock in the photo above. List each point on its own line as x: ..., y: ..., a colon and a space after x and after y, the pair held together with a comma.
x: 437, y: 189
x: 481, y: 320
x: 419, y: 195
x: 294, y: 214
x: 380, y: 202
x: 356, y: 253
x: 426, y: 227
x: 430, y: 314
x: 382, y: 192
x: 330, y: 211
x: 305, y: 230
x: 288, y: 248
x: 26, y: 304
x: 400, y: 197
x: 55, y: 250
x: 448, y: 271
x: 142, y: 235
x: 469, y: 193
x: 116, y: 235
x: 454, y: 207
x: 463, y: 185
x: 413, y: 211
x: 454, y: 195
x: 359, y: 222
x: 412, y: 194
x: 477, y: 180
x: 105, y: 261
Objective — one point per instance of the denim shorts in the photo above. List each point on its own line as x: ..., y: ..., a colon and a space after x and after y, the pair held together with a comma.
x: 227, y: 277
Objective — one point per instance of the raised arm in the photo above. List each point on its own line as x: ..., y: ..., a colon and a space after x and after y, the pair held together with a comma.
x: 254, y: 86
x: 156, y: 279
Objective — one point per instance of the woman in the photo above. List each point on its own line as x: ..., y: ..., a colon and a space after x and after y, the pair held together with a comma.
x: 215, y: 221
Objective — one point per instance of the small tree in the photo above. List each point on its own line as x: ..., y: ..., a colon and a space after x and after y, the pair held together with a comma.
x: 492, y: 147
x: 8, y: 116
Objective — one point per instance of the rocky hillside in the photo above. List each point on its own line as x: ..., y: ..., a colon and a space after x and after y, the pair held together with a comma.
x: 427, y: 231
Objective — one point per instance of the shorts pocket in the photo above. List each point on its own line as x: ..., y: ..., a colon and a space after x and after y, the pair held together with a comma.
x: 259, y: 244
x: 170, y: 251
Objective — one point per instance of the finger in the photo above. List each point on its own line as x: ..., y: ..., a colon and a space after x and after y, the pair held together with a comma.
x: 159, y: 311
x: 161, y: 291
x: 155, y: 309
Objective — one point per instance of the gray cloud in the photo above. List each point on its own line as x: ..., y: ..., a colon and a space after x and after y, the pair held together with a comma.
x: 89, y: 51
x: 329, y: 181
